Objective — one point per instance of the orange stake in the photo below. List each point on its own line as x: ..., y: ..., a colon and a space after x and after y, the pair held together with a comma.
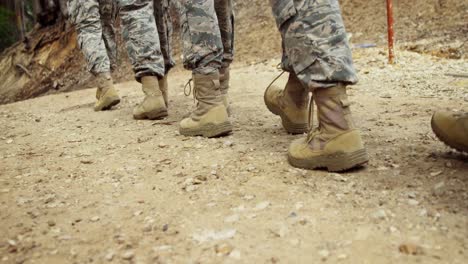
x: 391, y: 36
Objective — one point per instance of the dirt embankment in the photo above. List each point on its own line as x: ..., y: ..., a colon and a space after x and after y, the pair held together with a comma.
x: 52, y: 63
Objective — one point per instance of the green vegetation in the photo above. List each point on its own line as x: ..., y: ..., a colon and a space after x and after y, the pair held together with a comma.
x: 8, y: 33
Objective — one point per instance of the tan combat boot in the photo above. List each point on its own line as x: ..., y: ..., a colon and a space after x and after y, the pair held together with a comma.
x: 290, y: 103
x: 163, y: 86
x: 224, y: 78
x: 106, y: 94
x: 210, y: 118
x: 153, y: 105
x: 336, y: 144
x: 452, y: 129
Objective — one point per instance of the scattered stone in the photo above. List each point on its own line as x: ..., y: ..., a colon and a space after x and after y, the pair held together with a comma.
x: 165, y: 227
x: 436, y: 173
x: 379, y: 214
x: 12, y: 246
x: 251, y: 168
x: 128, y: 255
x: 299, y: 205
x: 423, y: 212
x: 200, y: 178
x: 86, y: 162
x: 448, y: 164
x: 262, y: 206
x: 413, y: 202
x: 109, y: 256
x: 95, y: 219
x: 392, y: 229
x: 412, y: 195
x: 235, y: 254
x: 211, y: 235
x: 9, y: 141
x: 65, y: 238
x: 386, y: 96
x: 410, y: 249
x: 51, y: 223
x: 228, y: 143
x: 338, y: 177
x: 324, y: 254
x: 49, y: 198
x: 249, y: 197
x: 162, y: 145
x: 223, y: 249
x: 342, y: 256
x: 148, y: 227
x: 232, y: 218
x: 439, y: 189
x: 137, y: 213
x: 162, y: 248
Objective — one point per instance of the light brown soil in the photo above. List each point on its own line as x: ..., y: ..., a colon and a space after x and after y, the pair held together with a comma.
x: 79, y: 187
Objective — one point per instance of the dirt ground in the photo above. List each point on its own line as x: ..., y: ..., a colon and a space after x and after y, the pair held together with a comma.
x: 83, y: 187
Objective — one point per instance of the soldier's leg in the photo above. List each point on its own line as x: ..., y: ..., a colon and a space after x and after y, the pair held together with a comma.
x: 142, y: 40
x: 164, y: 25
x: 316, y: 52
x: 203, y: 54
x: 225, y: 14
x: 108, y: 12
x: 84, y: 15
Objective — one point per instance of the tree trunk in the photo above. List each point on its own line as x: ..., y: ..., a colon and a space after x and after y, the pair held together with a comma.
x: 20, y: 26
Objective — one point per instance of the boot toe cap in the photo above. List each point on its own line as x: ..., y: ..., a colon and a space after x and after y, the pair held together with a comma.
x: 299, y: 149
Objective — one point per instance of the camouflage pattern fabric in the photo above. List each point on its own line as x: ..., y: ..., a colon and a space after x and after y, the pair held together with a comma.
x: 139, y: 32
x: 164, y: 25
x: 201, y: 37
x: 108, y: 12
x: 225, y: 14
x: 315, y: 44
x: 86, y: 18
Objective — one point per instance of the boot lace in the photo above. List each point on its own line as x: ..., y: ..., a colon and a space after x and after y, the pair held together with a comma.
x: 313, y: 132
x: 274, y: 80
x: 188, y: 91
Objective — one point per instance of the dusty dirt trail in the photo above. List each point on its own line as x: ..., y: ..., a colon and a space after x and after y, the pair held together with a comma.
x: 81, y: 187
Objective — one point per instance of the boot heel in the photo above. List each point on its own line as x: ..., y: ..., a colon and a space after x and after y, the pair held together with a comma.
x: 218, y: 130
x: 156, y: 114
x: 346, y: 161
x: 294, y: 128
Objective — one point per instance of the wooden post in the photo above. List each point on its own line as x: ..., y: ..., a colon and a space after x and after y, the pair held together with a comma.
x: 391, y: 36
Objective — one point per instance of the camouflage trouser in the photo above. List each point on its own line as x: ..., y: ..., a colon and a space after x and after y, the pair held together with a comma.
x: 207, y: 34
x: 164, y: 24
x: 139, y: 33
x: 225, y: 15
x: 108, y: 12
x: 315, y: 44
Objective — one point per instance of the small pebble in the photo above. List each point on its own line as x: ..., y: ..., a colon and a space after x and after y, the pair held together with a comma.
x: 439, y: 189
x: 128, y: 255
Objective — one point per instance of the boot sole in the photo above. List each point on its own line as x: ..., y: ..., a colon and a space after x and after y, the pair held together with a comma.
x: 335, y: 163
x: 446, y: 139
x: 109, y: 104
x: 208, y: 130
x: 288, y: 125
x: 152, y: 115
